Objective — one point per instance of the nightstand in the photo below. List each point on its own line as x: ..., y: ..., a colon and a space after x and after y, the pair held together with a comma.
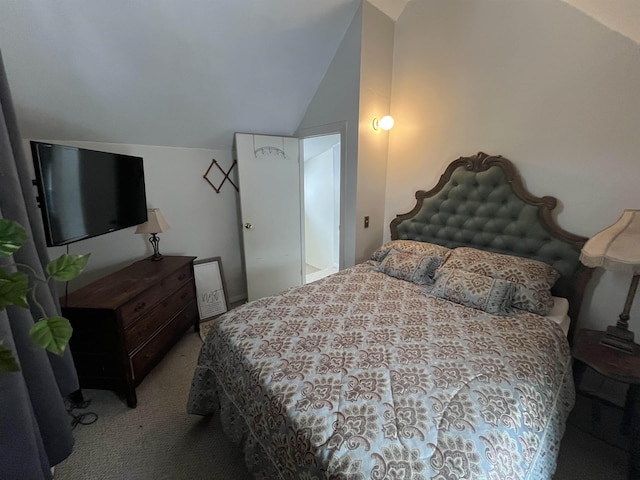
x: 619, y: 366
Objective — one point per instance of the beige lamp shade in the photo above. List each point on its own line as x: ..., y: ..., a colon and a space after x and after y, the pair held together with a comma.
x: 616, y: 247
x: 155, y: 222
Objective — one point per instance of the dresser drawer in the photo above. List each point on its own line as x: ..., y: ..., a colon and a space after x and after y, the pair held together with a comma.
x: 147, y: 300
x: 151, y: 353
x: 139, y: 332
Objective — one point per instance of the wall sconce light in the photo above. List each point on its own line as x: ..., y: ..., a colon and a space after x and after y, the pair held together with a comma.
x: 155, y: 224
x: 385, y: 123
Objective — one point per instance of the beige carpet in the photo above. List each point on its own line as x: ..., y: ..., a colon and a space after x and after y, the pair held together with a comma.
x: 159, y: 441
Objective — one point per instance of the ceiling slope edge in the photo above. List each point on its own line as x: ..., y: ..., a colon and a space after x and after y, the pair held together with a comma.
x: 391, y: 8
x: 621, y: 16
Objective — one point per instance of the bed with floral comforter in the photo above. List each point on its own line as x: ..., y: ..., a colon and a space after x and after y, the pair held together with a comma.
x: 365, y: 376
x: 432, y: 360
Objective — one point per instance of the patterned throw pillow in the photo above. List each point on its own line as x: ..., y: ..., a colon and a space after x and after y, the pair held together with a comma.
x: 533, y: 279
x: 412, y: 267
x: 490, y: 295
x: 423, y: 248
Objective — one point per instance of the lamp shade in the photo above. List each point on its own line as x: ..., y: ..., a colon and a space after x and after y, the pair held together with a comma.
x: 616, y: 247
x: 155, y: 222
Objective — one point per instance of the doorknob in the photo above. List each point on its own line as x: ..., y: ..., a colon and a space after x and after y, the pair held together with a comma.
x: 248, y: 226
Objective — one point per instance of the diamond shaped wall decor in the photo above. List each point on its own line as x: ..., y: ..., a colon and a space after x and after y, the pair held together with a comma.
x: 226, y: 175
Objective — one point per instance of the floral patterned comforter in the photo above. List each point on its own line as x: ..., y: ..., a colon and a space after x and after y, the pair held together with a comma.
x: 364, y: 376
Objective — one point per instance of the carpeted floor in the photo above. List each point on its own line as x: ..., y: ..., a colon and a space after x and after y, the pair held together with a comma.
x: 159, y: 441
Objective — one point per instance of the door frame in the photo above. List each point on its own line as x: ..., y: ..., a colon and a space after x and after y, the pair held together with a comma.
x: 336, y: 128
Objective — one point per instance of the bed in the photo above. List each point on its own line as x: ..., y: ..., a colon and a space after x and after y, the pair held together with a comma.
x: 443, y: 356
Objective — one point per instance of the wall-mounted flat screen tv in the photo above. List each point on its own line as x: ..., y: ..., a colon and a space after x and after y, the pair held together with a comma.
x: 85, y: 193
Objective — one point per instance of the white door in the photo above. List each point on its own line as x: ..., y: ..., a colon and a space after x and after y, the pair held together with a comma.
x: 270, y: 212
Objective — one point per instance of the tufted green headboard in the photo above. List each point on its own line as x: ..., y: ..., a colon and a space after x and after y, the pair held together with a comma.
x: 481, y: 202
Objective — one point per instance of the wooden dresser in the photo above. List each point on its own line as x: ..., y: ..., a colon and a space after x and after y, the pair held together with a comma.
x: 124, y: 323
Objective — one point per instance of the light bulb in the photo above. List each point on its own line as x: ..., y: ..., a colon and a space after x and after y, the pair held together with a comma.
x: 386, y: 122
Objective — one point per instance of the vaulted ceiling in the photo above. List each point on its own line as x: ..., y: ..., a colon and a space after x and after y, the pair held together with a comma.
x: 166, y: 72
x: 184, y: 73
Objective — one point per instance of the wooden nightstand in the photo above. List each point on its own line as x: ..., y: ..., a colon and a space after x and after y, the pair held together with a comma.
x: 619, y: 366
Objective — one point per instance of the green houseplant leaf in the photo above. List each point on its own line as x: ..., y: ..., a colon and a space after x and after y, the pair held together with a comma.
x: 67, y: 267
x: 52, y: 333
x: 8, y: 362
x: 12, y: 237
x: 13, y: 289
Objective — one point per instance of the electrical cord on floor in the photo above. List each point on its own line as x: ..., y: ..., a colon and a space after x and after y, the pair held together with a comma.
x: 86, y: 418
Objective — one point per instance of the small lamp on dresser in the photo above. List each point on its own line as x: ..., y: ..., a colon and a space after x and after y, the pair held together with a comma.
x: 155, y: 224
x: 618, y: 248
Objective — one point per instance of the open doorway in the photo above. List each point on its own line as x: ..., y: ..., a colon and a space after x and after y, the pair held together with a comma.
x: 322, y: 165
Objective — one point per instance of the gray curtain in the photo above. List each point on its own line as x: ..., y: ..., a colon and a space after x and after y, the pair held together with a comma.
x: 35, y: 430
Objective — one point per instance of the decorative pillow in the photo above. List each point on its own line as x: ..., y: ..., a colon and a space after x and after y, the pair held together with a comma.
x: 412, y: 267
x: 533, y: 279
x: 491, y: 295
x: 413, y: 246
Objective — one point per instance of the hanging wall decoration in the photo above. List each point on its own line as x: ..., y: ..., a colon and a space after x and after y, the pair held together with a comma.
x: 226, y: 175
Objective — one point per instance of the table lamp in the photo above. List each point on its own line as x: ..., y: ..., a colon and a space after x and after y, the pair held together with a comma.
x: 155, y: 224
x: 618, y: 248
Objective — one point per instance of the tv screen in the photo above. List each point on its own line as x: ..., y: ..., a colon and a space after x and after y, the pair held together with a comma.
x: 86, y: 193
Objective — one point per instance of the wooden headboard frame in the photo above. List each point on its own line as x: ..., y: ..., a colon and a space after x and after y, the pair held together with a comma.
x: 481, y: 202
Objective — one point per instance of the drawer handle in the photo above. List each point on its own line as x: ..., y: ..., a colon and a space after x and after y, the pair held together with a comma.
x: 140, y: 306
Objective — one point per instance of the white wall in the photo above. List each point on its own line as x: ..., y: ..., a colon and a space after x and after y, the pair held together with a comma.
x: 375, y: 101
x: 203, y: 222
x: 540, y: 83
x: 355, y: 89
x: 336, y: 101
x: 337, y: 162
x: 319, y: 209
